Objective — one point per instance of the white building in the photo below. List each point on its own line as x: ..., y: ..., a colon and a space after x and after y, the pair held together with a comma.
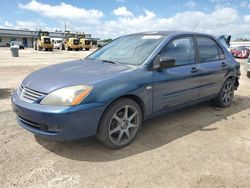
x: 242, y: 43
x: 25, y: 36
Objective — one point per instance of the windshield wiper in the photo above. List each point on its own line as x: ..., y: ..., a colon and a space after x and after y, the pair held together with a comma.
x: 108, y: 61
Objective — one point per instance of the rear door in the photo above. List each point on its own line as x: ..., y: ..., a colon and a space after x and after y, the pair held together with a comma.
x: 213, y: 66
x: 180, y: 84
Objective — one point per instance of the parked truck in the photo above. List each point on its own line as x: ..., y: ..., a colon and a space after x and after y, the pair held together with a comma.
x: 71, y: 42
x: 43, y: 41
x: 84, y: 42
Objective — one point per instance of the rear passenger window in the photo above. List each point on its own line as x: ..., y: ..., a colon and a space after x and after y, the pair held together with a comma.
x: 221, y: 53
x: 181, y: 49
x: 209, y: 50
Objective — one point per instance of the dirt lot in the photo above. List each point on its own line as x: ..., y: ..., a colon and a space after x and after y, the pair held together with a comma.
x: 201, y: 146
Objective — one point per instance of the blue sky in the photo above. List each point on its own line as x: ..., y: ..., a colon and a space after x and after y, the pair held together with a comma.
x: 111, y: 18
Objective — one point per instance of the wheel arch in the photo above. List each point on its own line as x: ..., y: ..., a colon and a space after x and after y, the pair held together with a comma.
x: 231, y: 75
x: 133, y: 97
x: 234, y: 77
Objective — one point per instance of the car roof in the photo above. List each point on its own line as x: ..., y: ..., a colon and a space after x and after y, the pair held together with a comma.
x: 166, y: 33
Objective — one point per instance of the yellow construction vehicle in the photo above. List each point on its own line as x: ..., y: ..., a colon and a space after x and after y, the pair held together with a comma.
x: 84, y: 42
x: 71, y: 42
x: 43, y: 41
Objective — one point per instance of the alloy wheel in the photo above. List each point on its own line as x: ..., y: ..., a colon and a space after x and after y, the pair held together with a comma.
x: 124, y: 125
x: 228, y: 92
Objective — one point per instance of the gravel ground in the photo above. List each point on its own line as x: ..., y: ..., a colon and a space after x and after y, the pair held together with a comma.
x: 200, y: 146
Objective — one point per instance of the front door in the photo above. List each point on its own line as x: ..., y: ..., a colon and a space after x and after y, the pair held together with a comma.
x: 177, y: 85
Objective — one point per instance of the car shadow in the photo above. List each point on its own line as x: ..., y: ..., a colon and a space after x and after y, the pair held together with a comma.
x: 155, y: 132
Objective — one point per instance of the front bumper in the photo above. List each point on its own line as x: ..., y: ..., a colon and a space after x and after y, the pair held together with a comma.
x: 75, y: 46
x: 86, y: 46
x: 47, y: 45
x: 58, y: 122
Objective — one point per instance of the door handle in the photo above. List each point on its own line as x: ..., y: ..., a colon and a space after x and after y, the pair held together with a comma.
x: 194, y: 70
x: 223, y: 64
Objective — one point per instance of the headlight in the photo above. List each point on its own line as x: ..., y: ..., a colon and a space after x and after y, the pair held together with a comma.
x: 67, y: 96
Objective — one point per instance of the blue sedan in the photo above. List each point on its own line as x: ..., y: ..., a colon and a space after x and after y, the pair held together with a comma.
x: 135, y: 77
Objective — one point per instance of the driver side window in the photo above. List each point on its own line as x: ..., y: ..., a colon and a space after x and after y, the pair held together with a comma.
x: 181, y: 49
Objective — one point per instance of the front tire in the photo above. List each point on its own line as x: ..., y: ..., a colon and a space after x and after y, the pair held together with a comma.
x: 120, y: 123
x: 225, y: 97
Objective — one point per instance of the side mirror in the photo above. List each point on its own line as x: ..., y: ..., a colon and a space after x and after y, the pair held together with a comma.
x: 164, y: 62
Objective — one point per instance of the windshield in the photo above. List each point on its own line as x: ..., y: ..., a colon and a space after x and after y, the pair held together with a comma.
x: 132, y: 49
x: 76, y: 41
x: 46, y: 40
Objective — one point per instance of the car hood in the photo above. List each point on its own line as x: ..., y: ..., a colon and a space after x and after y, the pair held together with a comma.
x: 79, y: 72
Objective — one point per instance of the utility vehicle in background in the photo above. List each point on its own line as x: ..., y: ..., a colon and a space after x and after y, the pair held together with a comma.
x: 84, y: 42
x: 71, y: 42
x: 43, y: 41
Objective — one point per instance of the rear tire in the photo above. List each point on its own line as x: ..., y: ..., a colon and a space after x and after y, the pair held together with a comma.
x: 87, y: 49
x: 120, y: 123
x: 248, y: 74
x: 225, y: 97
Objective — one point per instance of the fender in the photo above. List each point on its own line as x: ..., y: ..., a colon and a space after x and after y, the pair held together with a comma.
x: 135, y: 84
x: 235, y: 75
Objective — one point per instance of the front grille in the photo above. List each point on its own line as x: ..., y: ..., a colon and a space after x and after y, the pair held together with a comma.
x: 34, y: 125
x: 76, y: 42
x: 87, y: 42
x: 30, y: 123
x: 47, y: 41
x: 29, y: 95
x: 38, y: 126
